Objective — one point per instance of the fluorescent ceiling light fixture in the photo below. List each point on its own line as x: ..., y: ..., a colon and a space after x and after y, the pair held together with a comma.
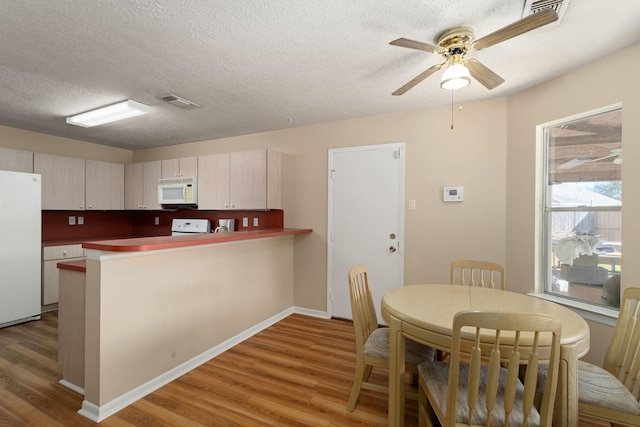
x: 456, y: 76
x: 108, y: 114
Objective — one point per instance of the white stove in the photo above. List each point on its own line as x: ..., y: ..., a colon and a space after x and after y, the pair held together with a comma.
x: 184, y: 227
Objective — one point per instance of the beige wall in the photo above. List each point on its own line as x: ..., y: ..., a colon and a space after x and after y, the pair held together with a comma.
x: 472, y: 155
x: 499, y: 177
x: 19, y: 139
x: 590, y: 87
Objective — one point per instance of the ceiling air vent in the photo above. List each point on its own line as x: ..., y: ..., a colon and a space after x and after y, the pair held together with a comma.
x: 534, y: 6
x: 178, y: 101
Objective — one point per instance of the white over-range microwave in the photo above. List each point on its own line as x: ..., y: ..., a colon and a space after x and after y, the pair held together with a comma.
x: 178, y: 191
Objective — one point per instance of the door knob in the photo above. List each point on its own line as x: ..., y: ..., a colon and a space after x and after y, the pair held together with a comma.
x: 392, y: 248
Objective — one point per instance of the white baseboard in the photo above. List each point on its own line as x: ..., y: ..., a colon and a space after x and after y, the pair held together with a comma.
x: 71, y: 386
x: 98, y: 413
x: 311, y: 313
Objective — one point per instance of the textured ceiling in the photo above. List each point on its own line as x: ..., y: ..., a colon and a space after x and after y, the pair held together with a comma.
x: 258, y: 65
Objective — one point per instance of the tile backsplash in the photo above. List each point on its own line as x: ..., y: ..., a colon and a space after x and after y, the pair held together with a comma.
x: 63, y: 225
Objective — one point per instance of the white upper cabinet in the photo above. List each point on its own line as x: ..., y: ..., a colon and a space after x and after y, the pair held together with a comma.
x: 104, y: 186
x: 16, y: 160
x: 63, y: 181
x: 245, y: 180
x: 175, y: 168
x: 213, y: 182
x: 141, y: 185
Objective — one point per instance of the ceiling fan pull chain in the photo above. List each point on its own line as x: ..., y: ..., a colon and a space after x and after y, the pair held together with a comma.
x: 451, y: 109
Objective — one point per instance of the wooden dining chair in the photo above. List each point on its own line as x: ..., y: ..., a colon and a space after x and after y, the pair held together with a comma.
x: 485, y: 389
x: 372, y: 341
x: 612, y: 394
x: 484, y: 274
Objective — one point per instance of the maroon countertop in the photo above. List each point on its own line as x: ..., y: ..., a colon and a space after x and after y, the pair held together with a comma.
x: 77, y: 265
x: 168, y: 242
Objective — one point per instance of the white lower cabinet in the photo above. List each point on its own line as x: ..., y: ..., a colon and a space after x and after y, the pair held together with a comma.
x: 51, y: 255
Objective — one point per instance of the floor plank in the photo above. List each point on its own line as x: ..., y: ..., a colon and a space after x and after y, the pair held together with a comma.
x: 297, y: 372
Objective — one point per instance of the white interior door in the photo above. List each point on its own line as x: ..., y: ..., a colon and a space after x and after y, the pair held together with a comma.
x: 366, y: 192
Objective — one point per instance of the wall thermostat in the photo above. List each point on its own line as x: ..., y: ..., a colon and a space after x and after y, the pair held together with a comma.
x: 452, y: 194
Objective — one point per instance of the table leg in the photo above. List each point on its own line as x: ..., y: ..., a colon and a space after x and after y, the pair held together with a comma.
x: 396, y: 372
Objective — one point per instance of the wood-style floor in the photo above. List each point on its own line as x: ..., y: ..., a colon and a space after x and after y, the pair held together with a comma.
x: 296, y: 373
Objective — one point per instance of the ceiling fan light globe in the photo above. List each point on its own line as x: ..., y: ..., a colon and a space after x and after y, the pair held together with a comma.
x: 456, y: 76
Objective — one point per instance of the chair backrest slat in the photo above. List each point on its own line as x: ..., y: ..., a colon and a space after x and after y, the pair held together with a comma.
x: 477, y: 273
x: 363, y: 310
x: 517, y: 339
x: 623, y: 354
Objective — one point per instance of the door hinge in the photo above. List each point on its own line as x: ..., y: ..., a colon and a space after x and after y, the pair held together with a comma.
x: 333, y: 173
x: 396, y: 154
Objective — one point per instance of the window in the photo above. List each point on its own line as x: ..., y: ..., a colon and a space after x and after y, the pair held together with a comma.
x: 583, y: 208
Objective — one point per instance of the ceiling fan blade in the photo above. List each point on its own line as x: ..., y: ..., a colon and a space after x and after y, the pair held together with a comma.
x: 522, y: 26
x: 602, y: 158
x: 412, y: 44
x: 418, y: 79
x: 488, y: 78
x: 572, y: 163
x: 569, y: 164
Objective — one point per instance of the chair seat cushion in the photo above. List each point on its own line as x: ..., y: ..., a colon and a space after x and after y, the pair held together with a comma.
x: 436, y: 379
x: 597, y: 387
x: 377, y: 345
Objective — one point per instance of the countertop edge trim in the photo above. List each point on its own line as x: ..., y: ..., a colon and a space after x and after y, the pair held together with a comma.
x: 167, y: 242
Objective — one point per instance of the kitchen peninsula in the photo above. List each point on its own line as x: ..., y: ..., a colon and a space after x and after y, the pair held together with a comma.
x: 157, y: 307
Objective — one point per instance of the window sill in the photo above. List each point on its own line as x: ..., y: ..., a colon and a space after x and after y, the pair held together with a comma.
x: 594, y: 313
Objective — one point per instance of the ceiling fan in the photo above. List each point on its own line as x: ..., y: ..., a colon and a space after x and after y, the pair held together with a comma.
x: 456, y: 42
x: 616, y: 152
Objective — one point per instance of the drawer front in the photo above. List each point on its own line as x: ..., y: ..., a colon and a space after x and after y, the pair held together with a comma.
x: 62, y: 252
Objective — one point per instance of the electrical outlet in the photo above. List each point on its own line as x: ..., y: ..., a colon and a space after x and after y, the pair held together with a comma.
x: 72, y: 220
x: 245, y: 222
x: 80, y: 220
x: 255, y: 222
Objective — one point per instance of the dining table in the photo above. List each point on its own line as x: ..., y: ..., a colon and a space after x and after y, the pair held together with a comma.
x: 424, y: 313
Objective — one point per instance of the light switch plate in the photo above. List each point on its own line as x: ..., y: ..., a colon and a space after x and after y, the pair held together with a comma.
x: 245, y: 222
x: 72, y: 220
x: 412, y: 204
x: 255, y: 222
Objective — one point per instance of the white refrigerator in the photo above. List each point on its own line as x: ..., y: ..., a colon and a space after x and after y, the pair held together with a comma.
x: 20, y: 247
